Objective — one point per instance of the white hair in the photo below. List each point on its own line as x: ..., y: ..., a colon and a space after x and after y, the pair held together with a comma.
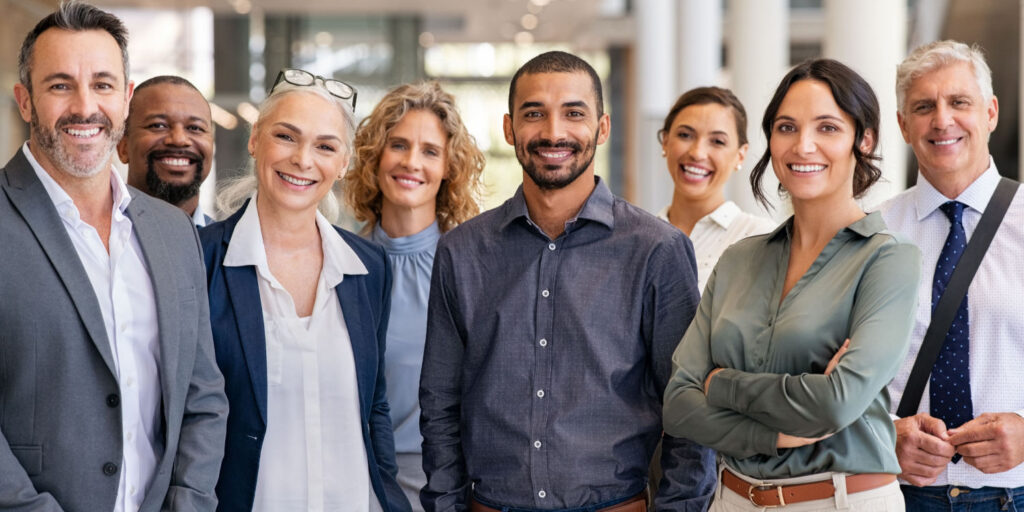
x: 234, y: 193
x: 927, y: 58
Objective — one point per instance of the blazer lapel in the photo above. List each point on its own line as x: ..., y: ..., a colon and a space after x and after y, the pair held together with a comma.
x: 353, y: 298
x: 147, y: 230
x: 29, y: 197
x: 244, y: 293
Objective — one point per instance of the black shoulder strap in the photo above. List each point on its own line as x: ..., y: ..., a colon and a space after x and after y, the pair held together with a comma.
x: 956, y: 290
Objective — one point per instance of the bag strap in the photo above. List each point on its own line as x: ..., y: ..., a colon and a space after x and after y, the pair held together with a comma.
x: 956, y: 290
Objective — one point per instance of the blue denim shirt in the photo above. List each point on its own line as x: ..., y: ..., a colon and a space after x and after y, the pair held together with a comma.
x: 546, y: 361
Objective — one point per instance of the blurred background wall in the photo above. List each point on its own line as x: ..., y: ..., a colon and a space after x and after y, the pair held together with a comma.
x: 647, y: 51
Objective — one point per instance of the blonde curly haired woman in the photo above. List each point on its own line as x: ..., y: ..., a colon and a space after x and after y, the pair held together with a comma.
x: 416, y: 176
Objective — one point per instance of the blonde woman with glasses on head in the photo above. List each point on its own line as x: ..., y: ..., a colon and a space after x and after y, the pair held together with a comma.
x: 299, y: 314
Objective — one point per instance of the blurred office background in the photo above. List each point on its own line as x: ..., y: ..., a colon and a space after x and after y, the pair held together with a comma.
x: 647, y: 51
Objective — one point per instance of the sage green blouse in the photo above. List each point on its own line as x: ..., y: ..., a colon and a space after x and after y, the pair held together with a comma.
x: 862, y: 286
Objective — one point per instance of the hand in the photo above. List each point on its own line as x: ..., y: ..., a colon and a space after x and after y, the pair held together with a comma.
x: 839, y: 354
x: 788, y: 441
x: 923, y: 448
x: 707, y: 380
x: 992, y: 442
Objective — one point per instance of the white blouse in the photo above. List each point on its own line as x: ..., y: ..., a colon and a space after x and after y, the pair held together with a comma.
x: 718, y: 230
x: 313, y: 455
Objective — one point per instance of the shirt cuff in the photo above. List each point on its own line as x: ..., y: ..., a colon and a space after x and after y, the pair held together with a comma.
x: 721, y: 390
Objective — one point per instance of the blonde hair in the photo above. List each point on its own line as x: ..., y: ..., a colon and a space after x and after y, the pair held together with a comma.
x: 927, y: 58
x: 236, y: 191
x: 456, y: 199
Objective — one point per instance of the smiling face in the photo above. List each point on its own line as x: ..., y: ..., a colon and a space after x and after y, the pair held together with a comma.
x: 811, y: 145
x: 298, y: 151
x: 168, y: 144
x: 702, y: 150
x: 947, y: 122
x: 413, y: 163
x: 555, y: 127
x: 78, y: 101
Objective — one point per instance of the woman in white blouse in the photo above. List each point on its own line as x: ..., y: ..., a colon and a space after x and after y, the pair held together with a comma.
x: 299, y: 317
x: 704, y: 141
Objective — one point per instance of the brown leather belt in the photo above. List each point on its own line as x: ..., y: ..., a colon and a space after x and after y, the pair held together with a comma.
x: 637, y: 503
x: 782, y: 495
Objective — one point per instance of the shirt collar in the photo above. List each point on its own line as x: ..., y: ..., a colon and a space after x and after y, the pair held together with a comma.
x: 246, y: 248
x: 198, y: 217
x: 725, y: 214
x: 867, y: 226
x: 927, y: 198
x: 597, y: 208
x: 62, y: 201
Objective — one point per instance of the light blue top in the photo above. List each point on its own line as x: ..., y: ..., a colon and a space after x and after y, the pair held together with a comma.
x: 412, y: 258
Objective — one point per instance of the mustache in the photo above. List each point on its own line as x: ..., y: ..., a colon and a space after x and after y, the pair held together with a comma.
x: 97, y: 118
x: 191, y: 155
x: 534, y: 145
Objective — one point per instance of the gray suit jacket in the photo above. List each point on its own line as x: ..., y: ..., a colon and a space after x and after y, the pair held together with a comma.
x: 60, y: 415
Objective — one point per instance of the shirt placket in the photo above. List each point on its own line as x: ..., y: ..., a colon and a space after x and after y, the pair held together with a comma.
x: 542, y: 371
x: 311, y: 403
x: 121, y: 313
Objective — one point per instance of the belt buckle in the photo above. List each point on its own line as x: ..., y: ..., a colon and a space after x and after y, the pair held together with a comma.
x: 778, y: 489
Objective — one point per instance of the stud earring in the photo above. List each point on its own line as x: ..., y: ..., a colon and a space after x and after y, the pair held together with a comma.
x: 663, y: 154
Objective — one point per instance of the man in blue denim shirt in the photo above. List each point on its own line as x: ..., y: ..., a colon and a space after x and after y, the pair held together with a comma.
x: 551, y: 324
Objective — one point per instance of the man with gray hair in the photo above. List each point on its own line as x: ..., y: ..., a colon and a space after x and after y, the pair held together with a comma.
x: 110, y: 397
x: 973, y: 406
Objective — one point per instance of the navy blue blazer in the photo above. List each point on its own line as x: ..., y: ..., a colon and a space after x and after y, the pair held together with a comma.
x: 237, y: 319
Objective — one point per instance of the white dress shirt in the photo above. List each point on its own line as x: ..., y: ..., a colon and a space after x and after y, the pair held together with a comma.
x: 716, y: 231
x: 124, y: 291
x: 313, y: 455
x: 994, y: 300
x: 198, y: 217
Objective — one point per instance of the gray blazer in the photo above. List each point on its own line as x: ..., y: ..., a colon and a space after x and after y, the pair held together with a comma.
x: 60, y: 416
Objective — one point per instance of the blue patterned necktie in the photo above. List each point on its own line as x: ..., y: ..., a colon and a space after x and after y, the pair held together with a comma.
x: 950, y: 382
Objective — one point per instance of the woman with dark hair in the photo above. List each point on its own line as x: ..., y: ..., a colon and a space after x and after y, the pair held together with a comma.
x: 416, y: 175
x: 784, y: 368
x: 704, y: 141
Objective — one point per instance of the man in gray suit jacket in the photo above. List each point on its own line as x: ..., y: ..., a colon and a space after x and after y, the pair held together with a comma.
x: 110, y: 398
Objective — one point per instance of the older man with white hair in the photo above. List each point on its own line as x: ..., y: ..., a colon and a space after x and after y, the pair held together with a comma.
x: 959, y: 391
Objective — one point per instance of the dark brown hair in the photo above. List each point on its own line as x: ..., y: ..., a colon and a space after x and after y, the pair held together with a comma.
x: 853, y: 95
x: 557, y: 62
x: 704, y: 96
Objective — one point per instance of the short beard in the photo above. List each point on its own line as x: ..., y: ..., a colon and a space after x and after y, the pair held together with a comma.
x: 169, y: 192
x: 549, y: 181
x: 60, y: 154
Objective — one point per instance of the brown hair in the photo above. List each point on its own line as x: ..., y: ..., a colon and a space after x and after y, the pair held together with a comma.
x: 704, y: 96
x: 456, y: 199
x: 853, y: 95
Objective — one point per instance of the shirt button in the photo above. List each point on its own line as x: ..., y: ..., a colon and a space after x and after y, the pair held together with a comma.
x: 129, y: 436
x: 542, y: 494
x: 129, y: 382
x: 536, y: 444
x: 540, y: 393
x: 124, y: 327
x: 545, y: 293
x: 543, y: 342
x: 552, y: 247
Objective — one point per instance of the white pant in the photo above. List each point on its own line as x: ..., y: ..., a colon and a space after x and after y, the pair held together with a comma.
x: 887, y: 498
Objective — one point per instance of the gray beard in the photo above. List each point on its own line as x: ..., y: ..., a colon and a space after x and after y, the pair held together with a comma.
x: 60, y: 154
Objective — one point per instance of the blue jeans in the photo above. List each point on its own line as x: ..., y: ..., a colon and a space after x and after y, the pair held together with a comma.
x: 942, y: 499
